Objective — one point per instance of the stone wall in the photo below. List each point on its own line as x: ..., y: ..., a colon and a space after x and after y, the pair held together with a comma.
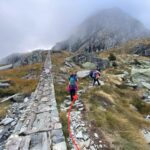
x: 39, y: 128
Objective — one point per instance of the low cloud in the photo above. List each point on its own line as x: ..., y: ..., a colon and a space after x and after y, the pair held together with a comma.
x: 32, y: 24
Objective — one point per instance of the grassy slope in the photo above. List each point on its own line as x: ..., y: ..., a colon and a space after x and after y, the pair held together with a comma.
x: 60, y: 90
x: 109, y: 107
x: 18, y: 84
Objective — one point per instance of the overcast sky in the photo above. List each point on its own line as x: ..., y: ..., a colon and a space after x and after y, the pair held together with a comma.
x: 30, y: 24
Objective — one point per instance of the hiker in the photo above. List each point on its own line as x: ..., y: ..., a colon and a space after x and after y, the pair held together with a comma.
x: 98, y: 68
x: 73, y: 77
x: 72, y: 86
x: 96, y: 76
x: 72, y: 89
x: 91, y: 74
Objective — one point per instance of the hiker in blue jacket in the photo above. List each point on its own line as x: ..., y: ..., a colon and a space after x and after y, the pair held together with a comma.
x: 73, y: 77
x: 72, y: 86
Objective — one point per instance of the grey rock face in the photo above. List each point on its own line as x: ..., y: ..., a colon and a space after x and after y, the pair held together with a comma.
x: 142, y: 49
x: 106, y: 29
x: 140, y: 75
x: 6, y: 67
x: 24, y: 59
x: 82, y: 58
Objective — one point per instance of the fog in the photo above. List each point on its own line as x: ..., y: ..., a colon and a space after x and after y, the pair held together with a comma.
x: 26, y: 25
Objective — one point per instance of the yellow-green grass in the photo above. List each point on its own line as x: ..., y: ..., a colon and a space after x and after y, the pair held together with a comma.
x: 21, y: 71
x: 58, y: 60
x: 116, y: 118
x: 3, y: 108
x: 17, y: 83
x: 120, y: 123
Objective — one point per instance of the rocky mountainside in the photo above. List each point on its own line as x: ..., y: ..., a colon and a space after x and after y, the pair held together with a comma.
x: 106, y: 29
x: 140, y: 47
x: 112, y: 116
x: 20, y: 59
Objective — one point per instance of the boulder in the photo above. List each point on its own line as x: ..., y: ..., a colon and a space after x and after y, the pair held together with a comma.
x: 26, y: 99
x: 5, y: 81
x: 147, y: 85
x: 83, y: 73
x: 18, y: 98
x: 6, y: 67
x: 7, y: 121
x: 68, y: 64
x: 59, y: 146
x: 89, y: 65
x: 145, y: 64
x: 63, y: 69
x: 140, y: 75
x: 146, y: 134
x: 4, y: 85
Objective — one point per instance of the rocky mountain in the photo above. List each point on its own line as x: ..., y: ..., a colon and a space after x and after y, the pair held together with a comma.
x: 19, y: 59
x: 106, y: 29
x: 140, y: 47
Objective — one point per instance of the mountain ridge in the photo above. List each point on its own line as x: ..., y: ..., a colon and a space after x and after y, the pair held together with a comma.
x: 106, y: 29
x: 19, y: 59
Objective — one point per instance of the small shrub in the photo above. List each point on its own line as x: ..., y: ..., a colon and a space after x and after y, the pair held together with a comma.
x: 142, y: 107
x: 112, y: 57
x: 136, y: 62
x: 114, y: 64
x: 4, y: 107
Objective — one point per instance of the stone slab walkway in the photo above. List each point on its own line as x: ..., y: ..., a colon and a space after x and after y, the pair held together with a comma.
x: 39, y: 128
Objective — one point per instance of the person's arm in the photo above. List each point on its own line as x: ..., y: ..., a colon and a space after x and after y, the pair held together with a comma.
x: 68, y: 88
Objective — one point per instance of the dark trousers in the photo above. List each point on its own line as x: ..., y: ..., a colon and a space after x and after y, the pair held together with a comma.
x: 95, y: 80
x: 72, y: 93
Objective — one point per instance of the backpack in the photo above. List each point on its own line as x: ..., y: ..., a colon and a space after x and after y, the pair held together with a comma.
x: 97, y: 75
x: 91, y: 74
x: 72, y: 81
x: 73, y: 87
x: 94, y: 74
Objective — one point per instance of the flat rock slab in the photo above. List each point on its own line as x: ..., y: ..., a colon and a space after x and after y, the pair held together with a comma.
x: 147, y: 85
x: 83, y: 74
x: 7, y: 121
x: 42, y: 121
x: 146, y: 136
x: 60, y: 146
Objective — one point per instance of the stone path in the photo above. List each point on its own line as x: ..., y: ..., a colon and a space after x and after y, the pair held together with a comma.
x: 39, y: 127
x: 85, y: 138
